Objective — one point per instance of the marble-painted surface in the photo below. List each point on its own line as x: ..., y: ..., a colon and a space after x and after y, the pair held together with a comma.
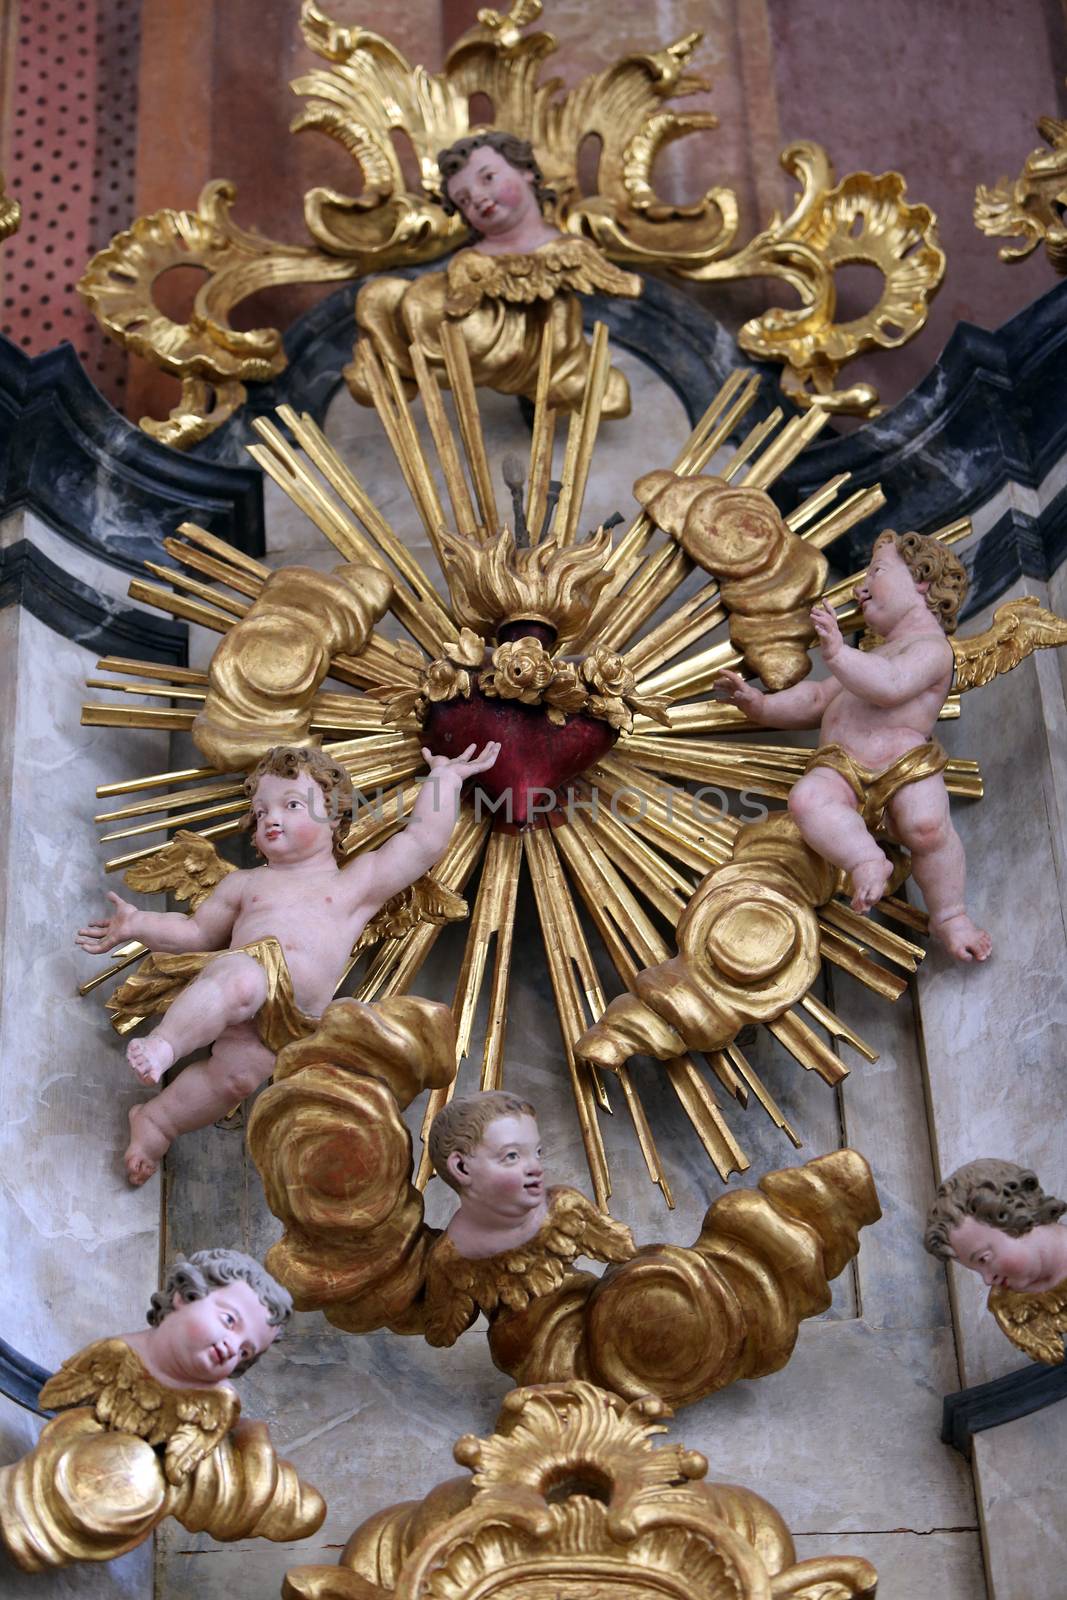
x: 994, y: 1048
x: 909, y: 1564
x: 1019, y: 1469
x: 80, y: 1247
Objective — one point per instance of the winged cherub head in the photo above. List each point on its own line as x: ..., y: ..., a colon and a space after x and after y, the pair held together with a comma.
x: 994, y: 1218
x: 217, y: 1312
x: 487, y: 1148
x: 494, y: 181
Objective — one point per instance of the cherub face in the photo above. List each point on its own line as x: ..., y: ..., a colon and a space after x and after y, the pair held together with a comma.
x: 491, y: 195
x: 292, y: 818
x: 889, y: 591
x: 1001, y: 1261
x: 206, y: 1339
x: 503, y: 1174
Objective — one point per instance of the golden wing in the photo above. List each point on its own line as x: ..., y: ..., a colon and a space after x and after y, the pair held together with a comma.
x: 109, y: 1377
x: 200, y: 1429
x: 101, y: 1369
x: 577, y: 1227
x: 450, y: 1306
x: 425, y: 901
x: 1018, y: 629
x: 81, y: 1375
x: 188, y: 867
x: 1036, y: 1323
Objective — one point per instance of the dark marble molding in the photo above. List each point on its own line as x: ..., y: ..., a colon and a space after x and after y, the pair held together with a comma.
x: 987, y: 1405
x: 71, y: 608
x: 1018, y: 545
x: 21, y: 1379
x: 992, y: 410
x: 100, y: 482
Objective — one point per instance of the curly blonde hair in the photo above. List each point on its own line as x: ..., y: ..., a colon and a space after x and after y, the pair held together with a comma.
x: 1006, y: 1196
x: 292, y: 761
x: 461, y: 1126
x: 930, y: 561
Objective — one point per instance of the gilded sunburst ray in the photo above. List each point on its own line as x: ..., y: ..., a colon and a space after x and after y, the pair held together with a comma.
x: 622, y: 862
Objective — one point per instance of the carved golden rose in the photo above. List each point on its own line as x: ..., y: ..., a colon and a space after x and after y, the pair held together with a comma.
x: 607, y: 672
x: 443, y: 681
x: 522, y: 669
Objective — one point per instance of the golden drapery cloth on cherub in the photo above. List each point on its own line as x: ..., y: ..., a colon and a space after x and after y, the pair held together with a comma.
x: 132, y: 1452
x: 874, y: 790
x: 161, y: 977
x: 502, y: 304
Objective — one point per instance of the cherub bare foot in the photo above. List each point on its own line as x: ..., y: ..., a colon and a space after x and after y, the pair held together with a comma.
x: 962, y: 938
x: 869, y: 878
x: 146, y: 1148
x: 150, y: 1057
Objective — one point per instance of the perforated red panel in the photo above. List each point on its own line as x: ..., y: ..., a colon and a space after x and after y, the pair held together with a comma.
x: 71, y: 161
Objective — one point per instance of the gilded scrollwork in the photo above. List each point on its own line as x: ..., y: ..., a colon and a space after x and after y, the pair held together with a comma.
x: 1031, y: 206
x: 213, y: 360
x: 366, y: 91
x: 570, y: 1495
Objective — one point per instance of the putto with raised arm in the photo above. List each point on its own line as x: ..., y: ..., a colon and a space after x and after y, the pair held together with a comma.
x: 258, y: 960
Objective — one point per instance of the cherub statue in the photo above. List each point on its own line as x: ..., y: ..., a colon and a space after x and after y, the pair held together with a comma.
x: 519, y: 276
x: 288, y: 929
x: 877, y: 764
x: 156, y: 1430
x: 727, y: 1307
x: 994, y: 1218
x: 488, y: 1149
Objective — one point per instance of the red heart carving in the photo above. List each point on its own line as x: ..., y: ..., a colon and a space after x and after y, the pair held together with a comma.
x: 537, y: 758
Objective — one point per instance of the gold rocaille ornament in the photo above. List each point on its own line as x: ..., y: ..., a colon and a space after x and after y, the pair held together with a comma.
x: 366, y: 91
x: 1031, y: 206
x: 570, y: 1499
x: 132, y: 1451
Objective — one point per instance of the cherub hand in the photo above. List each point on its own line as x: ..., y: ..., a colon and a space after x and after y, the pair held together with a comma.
x: 823, y: 620
x: 100, y: 937
x: 731, y: 687
x: 465, y: 765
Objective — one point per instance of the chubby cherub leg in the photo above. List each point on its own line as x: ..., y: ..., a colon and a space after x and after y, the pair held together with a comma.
x: 200, y: 1094
x: 827, y: 814
x: 920, y: 816
x: 228, y: 991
